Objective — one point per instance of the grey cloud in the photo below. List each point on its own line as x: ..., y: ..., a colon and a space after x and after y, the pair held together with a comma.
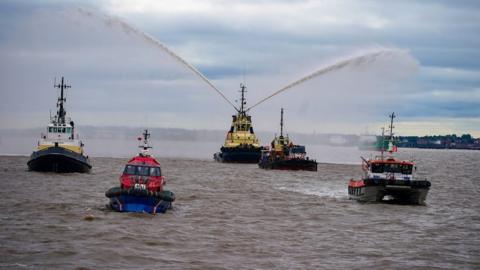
x: 103, y: 63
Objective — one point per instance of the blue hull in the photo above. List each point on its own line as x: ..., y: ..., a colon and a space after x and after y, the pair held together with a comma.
x: 238, y: 155
x: 129, y: 203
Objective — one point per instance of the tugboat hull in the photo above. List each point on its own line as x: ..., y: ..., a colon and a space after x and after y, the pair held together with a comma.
x: 291, y: 164
x: 238, y: 155
x: 139, y: 201
x: 375, y: 190
x: 58, y: 159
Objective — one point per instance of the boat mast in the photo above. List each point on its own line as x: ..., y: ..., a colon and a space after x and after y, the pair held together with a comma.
x: 281, y: 123
x: 382, y: 148
x: 391, y: 132
x: 391, y: 125
x: 61, y: 111
x: 243, y: 102
x: 146, y: 136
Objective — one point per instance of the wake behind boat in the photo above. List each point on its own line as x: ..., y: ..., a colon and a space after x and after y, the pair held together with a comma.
x: 389, y: 178
x: 60, y: 150
x: 141, y: 185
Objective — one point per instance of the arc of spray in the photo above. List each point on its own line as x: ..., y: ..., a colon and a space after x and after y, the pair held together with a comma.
x: 356, y: 60
x: 128, y: 28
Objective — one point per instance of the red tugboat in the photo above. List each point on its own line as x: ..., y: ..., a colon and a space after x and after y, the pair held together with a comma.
x: 141, y: 185
x: 284, y: 155
x: 387, y: 177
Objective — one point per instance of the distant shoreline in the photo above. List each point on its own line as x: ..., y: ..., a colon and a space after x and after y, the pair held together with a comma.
x: 441, y: 148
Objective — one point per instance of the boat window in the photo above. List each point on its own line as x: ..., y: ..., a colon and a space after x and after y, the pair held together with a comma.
x: 143, y: 171
x: 407, y: 169
x: 393, y: 168
x: 50, y: 129
x: 63, y: 130
x: 69, y: 130
x: 377, y: 168
x: 129, y: 169
x: 154, y: 171
x: 55, y: 129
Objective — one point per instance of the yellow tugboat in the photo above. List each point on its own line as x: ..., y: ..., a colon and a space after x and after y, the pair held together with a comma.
x: 241, y: 144
x: 284, y: 155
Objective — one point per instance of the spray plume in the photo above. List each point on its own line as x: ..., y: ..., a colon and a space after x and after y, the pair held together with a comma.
x: 353, y: 61
x: 109, y: 21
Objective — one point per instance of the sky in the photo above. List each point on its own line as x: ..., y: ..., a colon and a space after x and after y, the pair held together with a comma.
x: 428, y: 73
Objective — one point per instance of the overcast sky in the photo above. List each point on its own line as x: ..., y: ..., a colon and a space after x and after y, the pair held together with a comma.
x: 119, y: 78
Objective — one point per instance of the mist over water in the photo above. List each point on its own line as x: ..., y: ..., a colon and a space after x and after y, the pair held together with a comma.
x: 166, y: 148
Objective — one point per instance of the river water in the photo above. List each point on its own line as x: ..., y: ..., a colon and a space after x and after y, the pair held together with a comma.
x: 230, y: 216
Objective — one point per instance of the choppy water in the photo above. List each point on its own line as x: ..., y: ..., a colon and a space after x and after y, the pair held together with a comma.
x: 240, y: 217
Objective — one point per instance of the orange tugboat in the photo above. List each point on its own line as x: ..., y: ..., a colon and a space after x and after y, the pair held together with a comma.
x: 389, y: 178
x: 284, y: 155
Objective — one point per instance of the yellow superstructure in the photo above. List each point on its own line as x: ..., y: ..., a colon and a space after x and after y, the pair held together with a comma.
x: 279, y: 143
x: 241, y: 132
x: 74, y: 148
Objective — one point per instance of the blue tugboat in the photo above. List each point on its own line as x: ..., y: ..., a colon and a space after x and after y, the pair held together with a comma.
x: 141, y: 185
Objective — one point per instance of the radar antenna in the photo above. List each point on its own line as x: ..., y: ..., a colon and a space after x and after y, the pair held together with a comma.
x: 61, y: 113
x: 281, y: 122
x: 243, y: 101
x: 146, y: 137
x: 382, y: 148
x: 391, y: 125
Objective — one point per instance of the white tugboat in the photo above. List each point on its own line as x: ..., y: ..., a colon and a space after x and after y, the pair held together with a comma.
x: 60, y: 150
x: 387, y: 177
